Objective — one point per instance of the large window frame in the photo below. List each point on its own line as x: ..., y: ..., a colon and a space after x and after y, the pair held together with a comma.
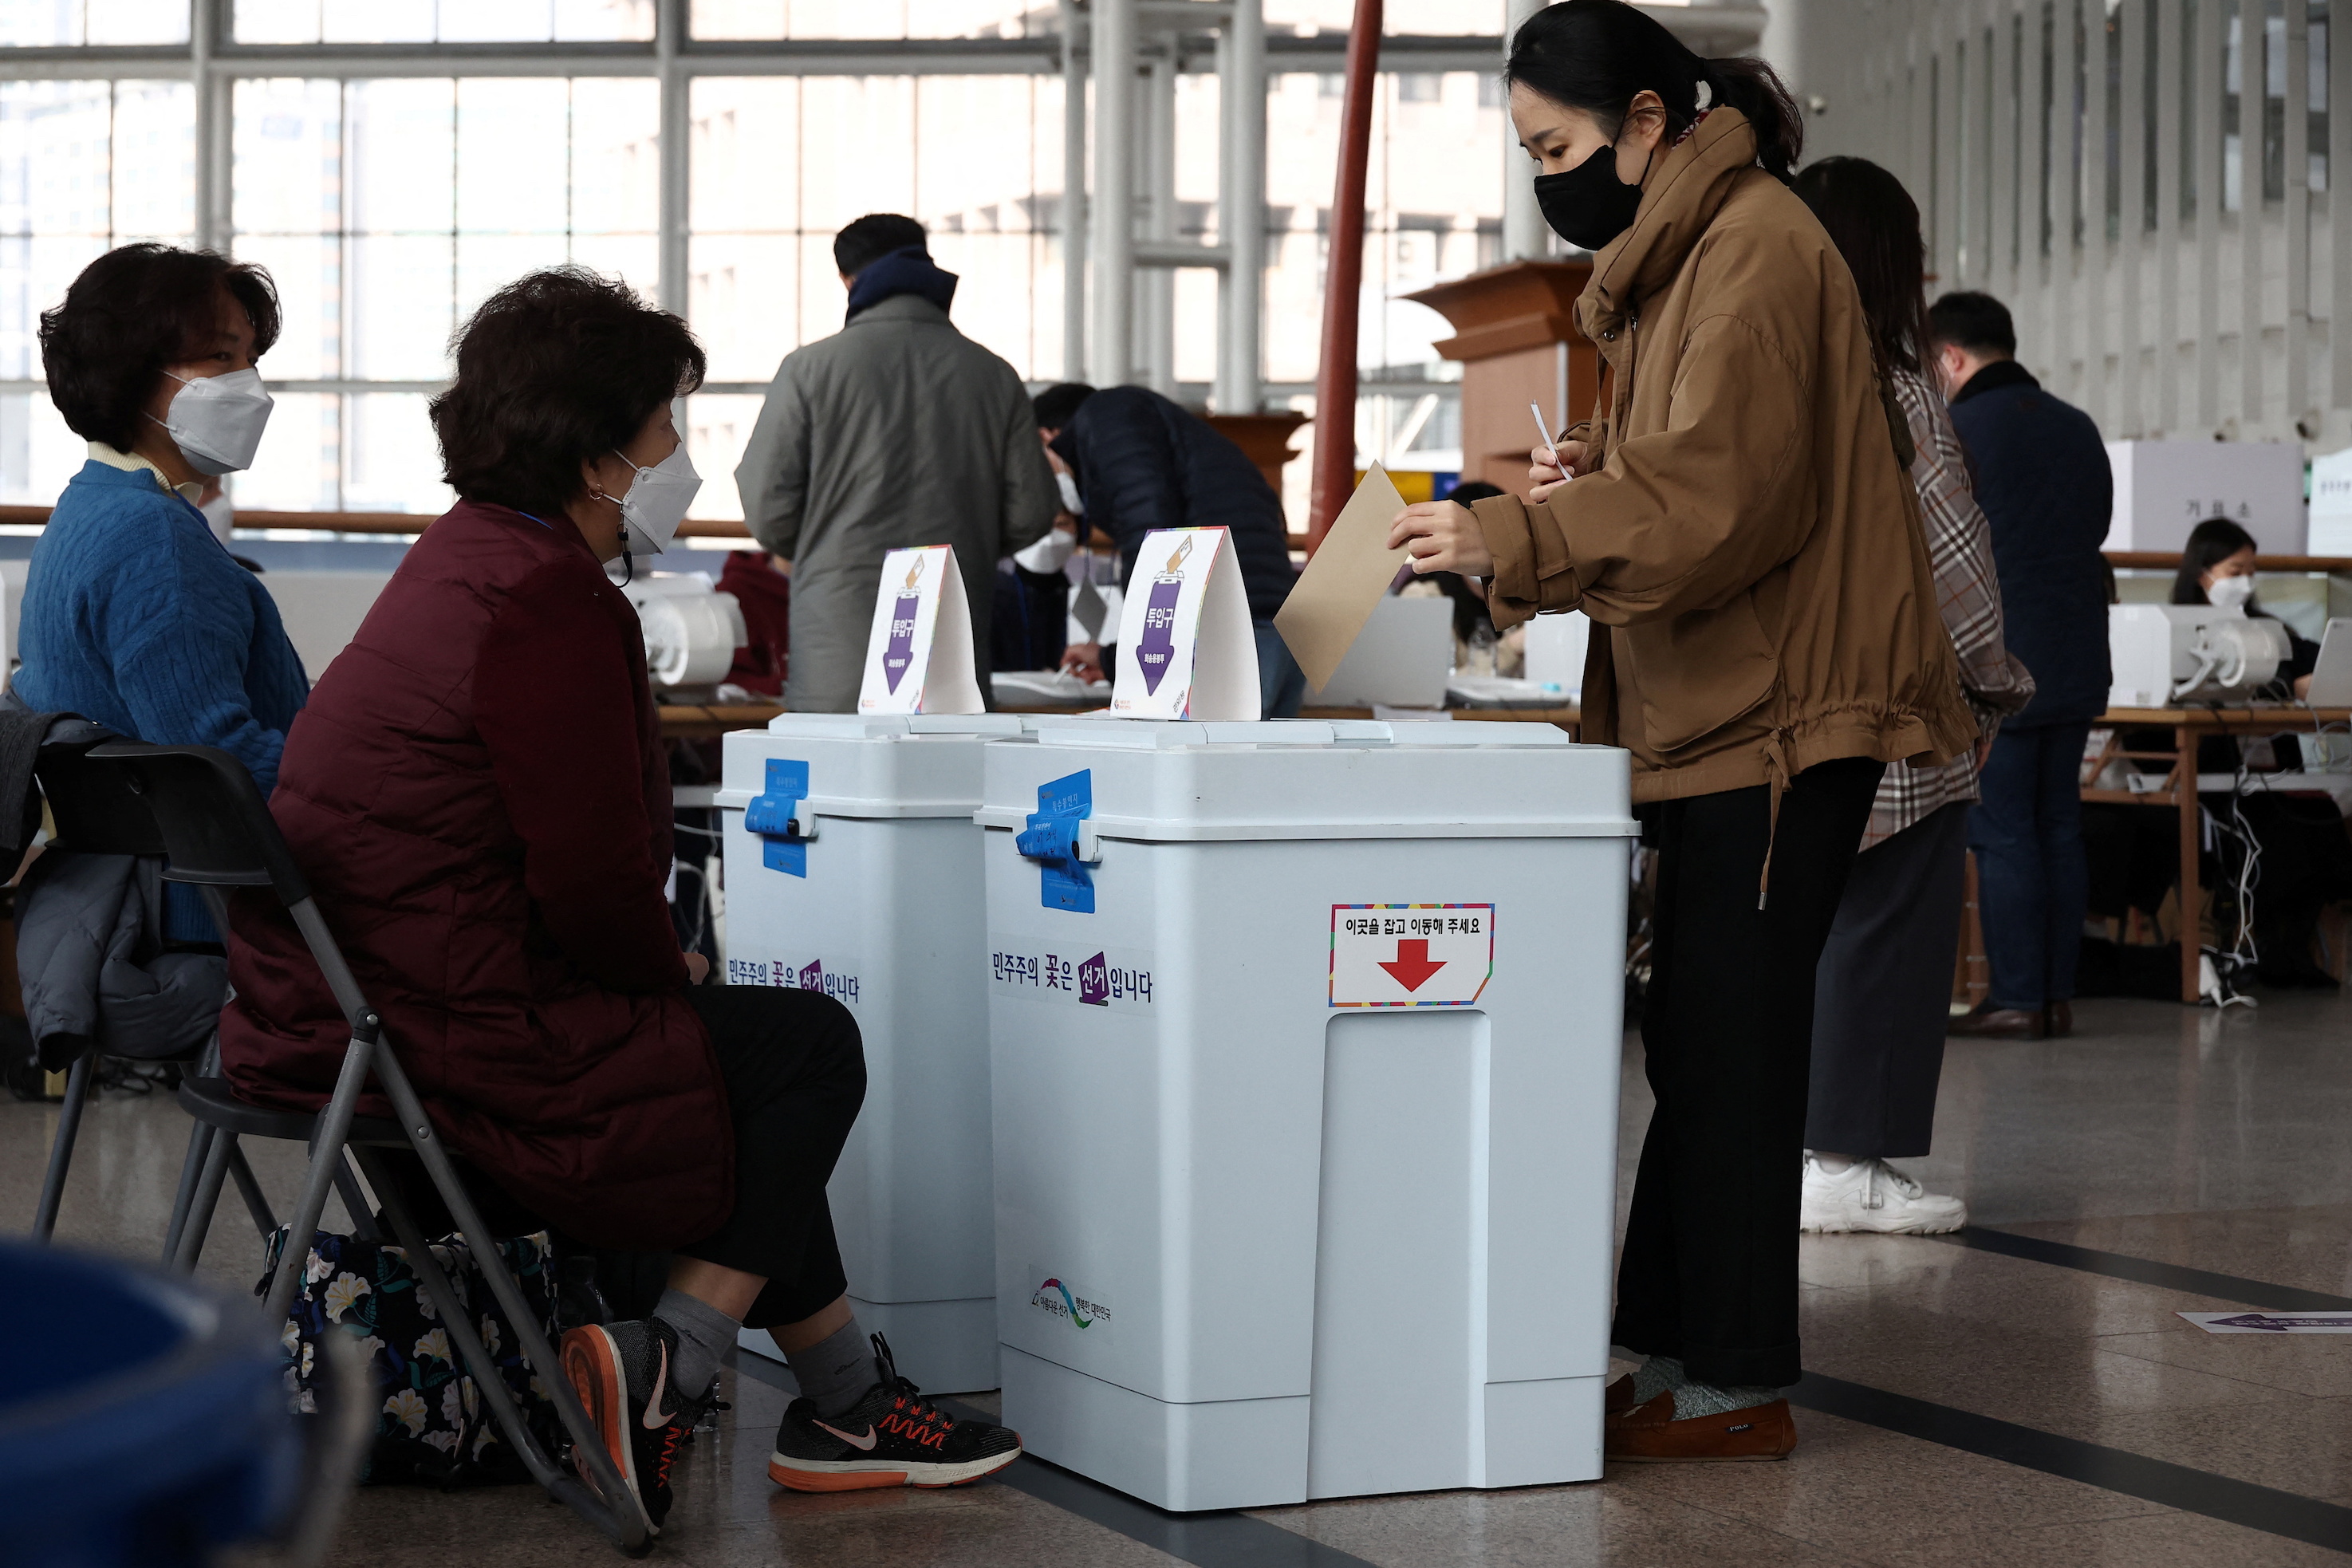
x: 214, y: 62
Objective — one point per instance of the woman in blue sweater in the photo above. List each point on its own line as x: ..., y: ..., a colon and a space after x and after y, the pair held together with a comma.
x: 134, y: 613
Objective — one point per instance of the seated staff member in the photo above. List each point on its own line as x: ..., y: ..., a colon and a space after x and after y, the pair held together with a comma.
x: 479, y: 797
x: 1742, y: 525
x: 2216, y: 568
x: 2307, y: 862
x: 135, y: 615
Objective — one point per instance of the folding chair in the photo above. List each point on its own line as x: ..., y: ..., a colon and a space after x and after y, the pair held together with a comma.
x: 200, y: 809
x: 67, y: 739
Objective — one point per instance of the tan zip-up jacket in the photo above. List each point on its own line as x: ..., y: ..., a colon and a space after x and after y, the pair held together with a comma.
x: 1751, y: 539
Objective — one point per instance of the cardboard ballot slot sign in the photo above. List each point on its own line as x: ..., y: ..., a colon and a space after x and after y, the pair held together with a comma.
x: 918, y: 653
x: 1347, y: 575
x: 1186, y: 649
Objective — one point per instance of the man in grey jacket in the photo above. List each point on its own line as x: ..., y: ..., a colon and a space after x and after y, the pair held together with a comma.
x: 896, y: 431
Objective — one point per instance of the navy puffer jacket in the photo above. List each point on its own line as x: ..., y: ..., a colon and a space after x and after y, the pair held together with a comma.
x: 1142, y: 463
x: 2043, y: 479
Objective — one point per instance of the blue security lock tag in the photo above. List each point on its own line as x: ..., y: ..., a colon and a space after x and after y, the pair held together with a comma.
x: 774, y: 817
x: 1052, y: 839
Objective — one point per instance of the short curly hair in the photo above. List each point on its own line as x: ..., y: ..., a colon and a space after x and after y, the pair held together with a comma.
x: 133, y: 310
x: 557, y: 369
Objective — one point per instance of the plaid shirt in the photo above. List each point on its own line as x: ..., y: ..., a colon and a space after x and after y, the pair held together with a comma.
x: 1959, y: 551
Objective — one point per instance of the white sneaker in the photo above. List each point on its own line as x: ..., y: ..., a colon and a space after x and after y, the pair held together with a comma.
x: 1871, y: 1194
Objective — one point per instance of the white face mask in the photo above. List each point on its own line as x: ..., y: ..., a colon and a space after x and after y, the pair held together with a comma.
x: 2230, y: 593
x: 1049, y: 552
x: 217, y: 420
x: 1071, y: 502
x: 221, y: 515
x: 657, y: 499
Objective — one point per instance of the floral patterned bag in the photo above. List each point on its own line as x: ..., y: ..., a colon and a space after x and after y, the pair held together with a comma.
x: 434, y: 1428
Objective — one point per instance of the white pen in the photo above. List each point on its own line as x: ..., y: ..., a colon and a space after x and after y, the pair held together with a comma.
x: 1543, y: 434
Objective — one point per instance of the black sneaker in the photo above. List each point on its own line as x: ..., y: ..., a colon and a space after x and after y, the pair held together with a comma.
x: 892, y: 1437
x: 621, y: 1371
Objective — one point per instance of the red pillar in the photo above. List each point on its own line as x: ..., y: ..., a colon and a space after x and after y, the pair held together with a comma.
x: 1334, y: 379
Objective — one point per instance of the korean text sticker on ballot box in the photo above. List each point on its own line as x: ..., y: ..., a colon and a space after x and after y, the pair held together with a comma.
x: 919, y: 650
x: 853, y: 869
x: 1305, y: 1043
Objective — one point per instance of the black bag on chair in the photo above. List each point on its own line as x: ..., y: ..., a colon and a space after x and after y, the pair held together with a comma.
x: 433, y: 1428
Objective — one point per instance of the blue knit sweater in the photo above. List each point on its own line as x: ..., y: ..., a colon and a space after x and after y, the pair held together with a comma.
x: 135, y: 615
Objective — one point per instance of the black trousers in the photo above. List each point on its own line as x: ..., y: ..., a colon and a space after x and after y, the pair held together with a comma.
x: 795, y: 1071
x: 1883, y: 993
x: 795, y: 1075
x: 1709, y: 1269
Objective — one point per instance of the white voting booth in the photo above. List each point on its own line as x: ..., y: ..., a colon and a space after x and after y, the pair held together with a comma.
x: 1305, y: 1061
x: 2165, y: 488
x: 853, y: 868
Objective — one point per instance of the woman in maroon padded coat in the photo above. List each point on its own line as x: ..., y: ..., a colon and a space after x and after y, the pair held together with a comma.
x: 479, y: 798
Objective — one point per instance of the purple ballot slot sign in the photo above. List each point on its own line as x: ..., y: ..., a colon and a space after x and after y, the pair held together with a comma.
x: 1187, y: 649
x: 1157, y: 649
x: 919, y: 651
x: 901, y: 651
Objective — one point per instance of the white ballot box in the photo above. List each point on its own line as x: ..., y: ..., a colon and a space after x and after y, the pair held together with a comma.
x: 853, y: 868
x: 1305, y: 1051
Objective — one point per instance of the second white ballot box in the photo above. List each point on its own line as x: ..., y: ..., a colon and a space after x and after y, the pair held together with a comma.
x: 1305, y: 1059
x: 854, y: 868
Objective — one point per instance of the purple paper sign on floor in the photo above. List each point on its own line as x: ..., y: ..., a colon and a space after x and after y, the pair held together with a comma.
x: 2272, y: 1322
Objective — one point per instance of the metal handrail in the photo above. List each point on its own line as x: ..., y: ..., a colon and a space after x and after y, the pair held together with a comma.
x: 406, y: 523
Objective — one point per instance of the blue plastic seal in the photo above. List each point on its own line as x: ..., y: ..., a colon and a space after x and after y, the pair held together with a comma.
x: 1051, y: 839
x: 771, y: 816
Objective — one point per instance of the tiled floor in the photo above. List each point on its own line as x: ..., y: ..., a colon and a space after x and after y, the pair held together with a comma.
x: 2222, y: 1144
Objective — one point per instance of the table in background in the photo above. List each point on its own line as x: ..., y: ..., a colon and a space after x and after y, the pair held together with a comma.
x: 702, y: 721
x: 2178, y: 787
x: 1567, y: 717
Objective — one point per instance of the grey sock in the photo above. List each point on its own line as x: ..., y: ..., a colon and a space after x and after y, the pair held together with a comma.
x: 836, y: 1372
x: 704, y: 1335
x: 1712, y: 1399
x: 1656, y: 1376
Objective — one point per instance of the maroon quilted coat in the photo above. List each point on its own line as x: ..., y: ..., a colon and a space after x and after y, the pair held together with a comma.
x: 478, y: 795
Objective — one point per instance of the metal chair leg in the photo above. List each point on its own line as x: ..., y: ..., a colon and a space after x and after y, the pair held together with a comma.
x: 192, y: 1167
x: 53, y: 1185
x: 327, y: 1140
x: 529, y: 1338
x: 255, y: 1203
x: 623, y: 1520
x: 208, y: 1199
x: 355, y: 1203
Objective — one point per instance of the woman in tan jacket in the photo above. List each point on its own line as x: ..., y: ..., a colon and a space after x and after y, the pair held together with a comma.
x: 1739, y: 519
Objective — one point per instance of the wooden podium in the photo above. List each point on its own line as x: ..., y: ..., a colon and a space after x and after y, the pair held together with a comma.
x: 1515, y: 333
x: 1264, y: 439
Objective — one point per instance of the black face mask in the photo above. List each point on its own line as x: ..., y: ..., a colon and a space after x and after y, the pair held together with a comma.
x: 1588, y: 205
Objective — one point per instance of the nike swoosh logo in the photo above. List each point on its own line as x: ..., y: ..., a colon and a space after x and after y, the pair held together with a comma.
x: 655, y: 1417
x: 866, y: 1442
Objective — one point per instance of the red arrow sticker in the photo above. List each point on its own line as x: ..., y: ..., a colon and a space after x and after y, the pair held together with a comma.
x: 1411, y: 955
x: 1413, y: 963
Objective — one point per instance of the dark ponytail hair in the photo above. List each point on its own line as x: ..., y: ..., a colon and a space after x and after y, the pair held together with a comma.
x: 2210, y: 543
x: 1595, y: 55
x: 1874, y: 224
